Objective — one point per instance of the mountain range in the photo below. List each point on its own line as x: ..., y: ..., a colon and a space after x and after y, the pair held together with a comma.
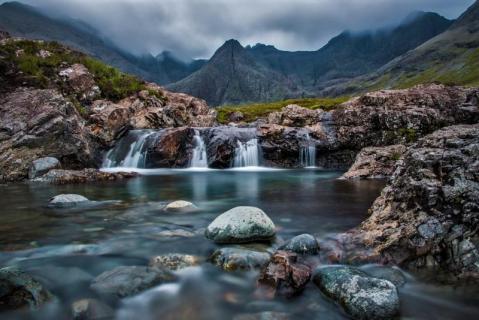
x: 423, y: 47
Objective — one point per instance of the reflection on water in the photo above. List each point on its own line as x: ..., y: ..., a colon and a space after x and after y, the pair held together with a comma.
x: 78, y: 244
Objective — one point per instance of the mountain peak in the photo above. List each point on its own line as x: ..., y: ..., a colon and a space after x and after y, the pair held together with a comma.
x: 231, y: 47
x: 469, y: 18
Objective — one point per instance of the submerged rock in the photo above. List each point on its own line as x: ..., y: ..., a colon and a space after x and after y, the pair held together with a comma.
x: 41, y: 166
x: 267, y: 315
x: 302, y: 244
x: 19, y: 290
x: 67, y: 200
x: 240, y: 225
x: 362, y: 296
x: 91, y: 309
x: 393, y: 274
x: 233, y: 259
x: 180, y: 206
x: 174, y: 261
x: 284, y: 275
x: 126, y: 281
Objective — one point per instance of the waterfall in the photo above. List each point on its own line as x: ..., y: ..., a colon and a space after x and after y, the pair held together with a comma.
x: 307, y: 154
x: 135, y: 155
x: 199, y: 159
x: 247, y: 154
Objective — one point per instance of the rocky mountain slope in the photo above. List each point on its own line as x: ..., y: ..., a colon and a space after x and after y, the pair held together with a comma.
x: 28, y: 22
x: 451, y: 58
x: 61, y: 103
x: 233, y: 76
x: 264, y: 73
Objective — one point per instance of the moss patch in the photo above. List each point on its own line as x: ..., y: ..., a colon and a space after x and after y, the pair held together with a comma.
x: 255, y: 111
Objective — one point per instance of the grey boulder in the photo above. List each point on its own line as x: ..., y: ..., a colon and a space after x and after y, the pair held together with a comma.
x: 41, y: 166
x: 241, y: 225
x: 67, y: 200
x: 362, y: 296
x: 302, y: 244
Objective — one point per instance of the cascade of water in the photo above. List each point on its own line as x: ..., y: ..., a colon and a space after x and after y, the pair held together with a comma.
x: 307, y: 155
x: 134, y: 158
x: 247, y: 154
x: 199, y: 159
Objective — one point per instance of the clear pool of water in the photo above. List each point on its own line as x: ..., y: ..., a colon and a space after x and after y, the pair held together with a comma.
x: 67, y: 248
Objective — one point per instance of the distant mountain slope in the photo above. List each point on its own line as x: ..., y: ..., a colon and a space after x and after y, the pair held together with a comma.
x: 351, y: 54
x: 450, y: 58
x: 233, y: 76
x: 270, y: 74
x: 26, y: 21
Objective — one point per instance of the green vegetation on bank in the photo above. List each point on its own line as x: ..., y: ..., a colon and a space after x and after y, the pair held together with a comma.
x: 40, y: 62
x: 255, y: 111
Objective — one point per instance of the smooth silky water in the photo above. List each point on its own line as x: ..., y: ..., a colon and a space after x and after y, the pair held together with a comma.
x: 67, y: 248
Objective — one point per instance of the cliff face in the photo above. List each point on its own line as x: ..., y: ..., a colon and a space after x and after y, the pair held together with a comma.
x: 61, y: 103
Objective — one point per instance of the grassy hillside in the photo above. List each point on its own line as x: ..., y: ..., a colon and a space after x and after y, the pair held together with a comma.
x: 255, y: 111
x: 21, y: 63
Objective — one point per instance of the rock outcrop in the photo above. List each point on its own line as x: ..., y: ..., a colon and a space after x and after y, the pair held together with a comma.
x: 375, y: 162
x: 35, y: 123
x: 427, y: 216
x: 234, y: 259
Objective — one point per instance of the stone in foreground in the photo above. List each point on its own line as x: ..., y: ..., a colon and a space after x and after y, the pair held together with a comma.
x: 91, y: 309
x: 19, y: 290
x: 127, y: 281
x: 41, y: 166
x: 181, y: 206
x: 67, y: 200
x: 284, y: 276
x: 174, y: 261
x: 241, y: 225
x: 362, y: 297
x: 302, y: 244
x: 233, y: 259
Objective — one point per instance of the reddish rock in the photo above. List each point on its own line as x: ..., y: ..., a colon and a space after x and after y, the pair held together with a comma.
x: 170, y: 148
x: 37, y: 123
x: 284, y: 275
x: 295, y: 116
x: 375, y: 162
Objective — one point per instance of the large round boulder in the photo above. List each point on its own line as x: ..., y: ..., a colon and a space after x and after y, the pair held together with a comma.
x: 241, y: 225
x: 19, y: 290
x: 362, y: 296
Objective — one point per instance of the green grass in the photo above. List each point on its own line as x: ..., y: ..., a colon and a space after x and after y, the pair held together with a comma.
x: 43, y: 72
x: 255, y: 111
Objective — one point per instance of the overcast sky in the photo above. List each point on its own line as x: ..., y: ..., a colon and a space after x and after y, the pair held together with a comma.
x: 196, y: 28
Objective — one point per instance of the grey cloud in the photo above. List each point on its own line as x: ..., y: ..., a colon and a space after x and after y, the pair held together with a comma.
x: 195, y: 28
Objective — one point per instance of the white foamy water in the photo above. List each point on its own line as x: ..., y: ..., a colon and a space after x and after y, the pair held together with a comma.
x: 199, y: 159
x: 247, y: 154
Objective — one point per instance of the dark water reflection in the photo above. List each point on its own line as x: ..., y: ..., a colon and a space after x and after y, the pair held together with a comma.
x: 67, y: 248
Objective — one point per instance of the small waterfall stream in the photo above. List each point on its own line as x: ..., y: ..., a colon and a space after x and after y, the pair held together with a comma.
x: 247, y: 154
x: 135, y: 155
x: 307, y: 155
x: 199, y: 158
